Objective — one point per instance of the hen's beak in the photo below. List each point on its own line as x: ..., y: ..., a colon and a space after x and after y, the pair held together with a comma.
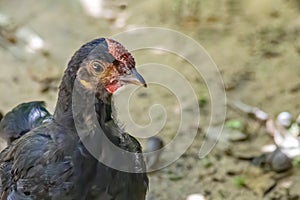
x: 133, y: 78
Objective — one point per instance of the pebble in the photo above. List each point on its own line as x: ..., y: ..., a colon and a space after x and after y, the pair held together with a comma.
x: 260, y: 115
x: 278, y: 161
x: 20, y: 40
x: 268, y: 148
x: 195, y: 197
x: 284, y: 119
x: 95, y: 8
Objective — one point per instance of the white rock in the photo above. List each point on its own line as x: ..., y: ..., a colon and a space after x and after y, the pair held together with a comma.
x: 288, y: 143
x: 268, y: 148
x: 261, y: 115
x: 195, y: 197
x: 96, y: 9
x: 33, y: 42
x: 284, y: 119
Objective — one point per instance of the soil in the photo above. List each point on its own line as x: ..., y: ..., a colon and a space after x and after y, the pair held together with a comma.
x: 255, y: 45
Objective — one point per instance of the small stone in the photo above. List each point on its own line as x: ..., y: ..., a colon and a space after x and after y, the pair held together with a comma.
x: 284, y: 119
x: 278, y: 161
x: 268, y: 148
x: 195, y: 197
x: 260, y: 115
x: 286, y: 184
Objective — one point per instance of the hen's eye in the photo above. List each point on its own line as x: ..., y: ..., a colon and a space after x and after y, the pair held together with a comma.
x: 97, y: 66
x: 115, y: 62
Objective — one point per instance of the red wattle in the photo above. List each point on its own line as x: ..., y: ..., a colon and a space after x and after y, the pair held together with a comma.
x: 111, y: 88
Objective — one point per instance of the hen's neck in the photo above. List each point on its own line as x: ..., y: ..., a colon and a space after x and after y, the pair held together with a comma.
x: 104, y: 115
x: 68, y: 111
x: 63, y: 110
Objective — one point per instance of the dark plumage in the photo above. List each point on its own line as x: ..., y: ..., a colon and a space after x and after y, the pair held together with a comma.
x: 23, y: 118
x: 50, y: 161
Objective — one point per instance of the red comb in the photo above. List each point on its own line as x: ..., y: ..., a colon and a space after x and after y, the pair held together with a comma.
x: 121, y: 54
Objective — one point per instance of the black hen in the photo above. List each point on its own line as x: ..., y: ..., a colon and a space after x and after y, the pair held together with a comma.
x: 51, y: 162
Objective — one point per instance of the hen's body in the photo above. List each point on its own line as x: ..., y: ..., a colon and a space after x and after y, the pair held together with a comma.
x: 50, y: 162
x: 47, y: 163
x: 120, y: 185
x: 52, y: 168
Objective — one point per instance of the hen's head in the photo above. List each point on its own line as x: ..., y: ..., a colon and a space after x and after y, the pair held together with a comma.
x: 105, y: 64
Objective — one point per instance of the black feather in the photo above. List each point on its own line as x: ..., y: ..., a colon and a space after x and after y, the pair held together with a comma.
x: 23, y: 118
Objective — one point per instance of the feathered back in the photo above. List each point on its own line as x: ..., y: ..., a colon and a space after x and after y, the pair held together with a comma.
x: 22, y: 119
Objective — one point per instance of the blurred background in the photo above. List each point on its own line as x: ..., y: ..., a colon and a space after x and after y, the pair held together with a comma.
x: 256, y: 46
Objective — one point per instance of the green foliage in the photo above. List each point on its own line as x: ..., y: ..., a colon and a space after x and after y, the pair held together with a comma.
x: 233, y: 124
x: 206, y: 162
x: 202, y: 101
x: 238, y: 181
x: 296, y: 161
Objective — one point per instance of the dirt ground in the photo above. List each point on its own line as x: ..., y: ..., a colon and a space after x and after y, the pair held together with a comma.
x: 255, y: 44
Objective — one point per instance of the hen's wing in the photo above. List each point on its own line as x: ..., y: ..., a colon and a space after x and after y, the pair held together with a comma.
x: 22, y: 119
x: 46, y: 163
